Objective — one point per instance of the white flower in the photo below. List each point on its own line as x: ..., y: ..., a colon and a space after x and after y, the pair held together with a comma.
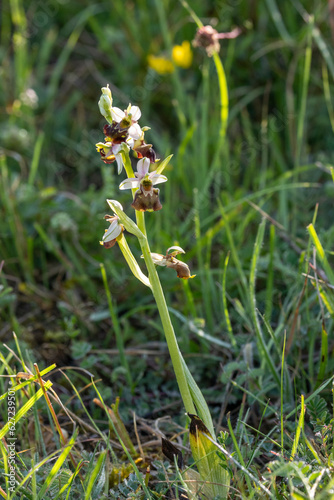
x: 114, y: 230
x: 143, y: 178
x: 133, y: 113
x: 110, y: 152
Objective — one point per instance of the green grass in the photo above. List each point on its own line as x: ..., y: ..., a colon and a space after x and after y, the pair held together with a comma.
x: 251, y: 206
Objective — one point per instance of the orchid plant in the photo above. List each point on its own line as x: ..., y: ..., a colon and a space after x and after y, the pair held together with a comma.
x: 124, y: 135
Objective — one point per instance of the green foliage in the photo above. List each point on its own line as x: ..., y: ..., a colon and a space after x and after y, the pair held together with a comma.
x: 276, y: 164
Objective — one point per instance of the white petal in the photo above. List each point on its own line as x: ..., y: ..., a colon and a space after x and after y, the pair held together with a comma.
x: 117, y: 114
x: 157, y: 179
x: 129, y: 183
x: 130, y: 142
x: 116, y: 203
x: 113, y: 231
x: 135, y: 131
x: 158, y: 259
x: 119, y: 161
x: 106, y: 91
x: 135, y: 113
x: 115, y: 148
x: 142, y: 167
x: 176, y: 250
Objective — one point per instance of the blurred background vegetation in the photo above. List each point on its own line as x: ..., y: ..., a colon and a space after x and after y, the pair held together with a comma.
x: 276, y: 163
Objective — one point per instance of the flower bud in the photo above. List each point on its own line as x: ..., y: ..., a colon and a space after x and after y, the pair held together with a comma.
x: 107, y: 92
x: 105, y: 103
x: 112, y: 233
x: 208, y: 38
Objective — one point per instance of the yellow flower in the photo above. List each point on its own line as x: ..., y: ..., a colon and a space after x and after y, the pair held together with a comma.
x: 161, y: 65
x: 182, y: 55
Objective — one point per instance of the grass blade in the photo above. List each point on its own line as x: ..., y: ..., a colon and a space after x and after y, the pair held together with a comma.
x: 299, y: 429
x: 323, y: 356
x: 97, y: 471
x: 55, y: 469
x: 25, y: 408
x: 252, y: 278
x: 225, y: 309
x: 321, y: 253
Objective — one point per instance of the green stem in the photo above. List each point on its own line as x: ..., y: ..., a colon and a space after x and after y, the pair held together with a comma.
x: 159, y: 297
x: 303, y: 103
x: 179, y: 90
x: 165, y: 320
x: 223, y: 92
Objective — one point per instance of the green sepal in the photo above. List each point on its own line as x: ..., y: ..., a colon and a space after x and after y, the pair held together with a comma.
x: 163, y: 164
x: 131, y: 261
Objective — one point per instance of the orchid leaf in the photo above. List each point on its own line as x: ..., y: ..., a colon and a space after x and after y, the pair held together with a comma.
x: 163, y: 164
x: 130, y: 259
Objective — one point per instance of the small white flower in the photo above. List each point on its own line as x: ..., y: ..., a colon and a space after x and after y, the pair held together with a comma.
x: 132, y: 112
x: 143, y: 178
x: 29, y: 98
x: 115, y: 228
